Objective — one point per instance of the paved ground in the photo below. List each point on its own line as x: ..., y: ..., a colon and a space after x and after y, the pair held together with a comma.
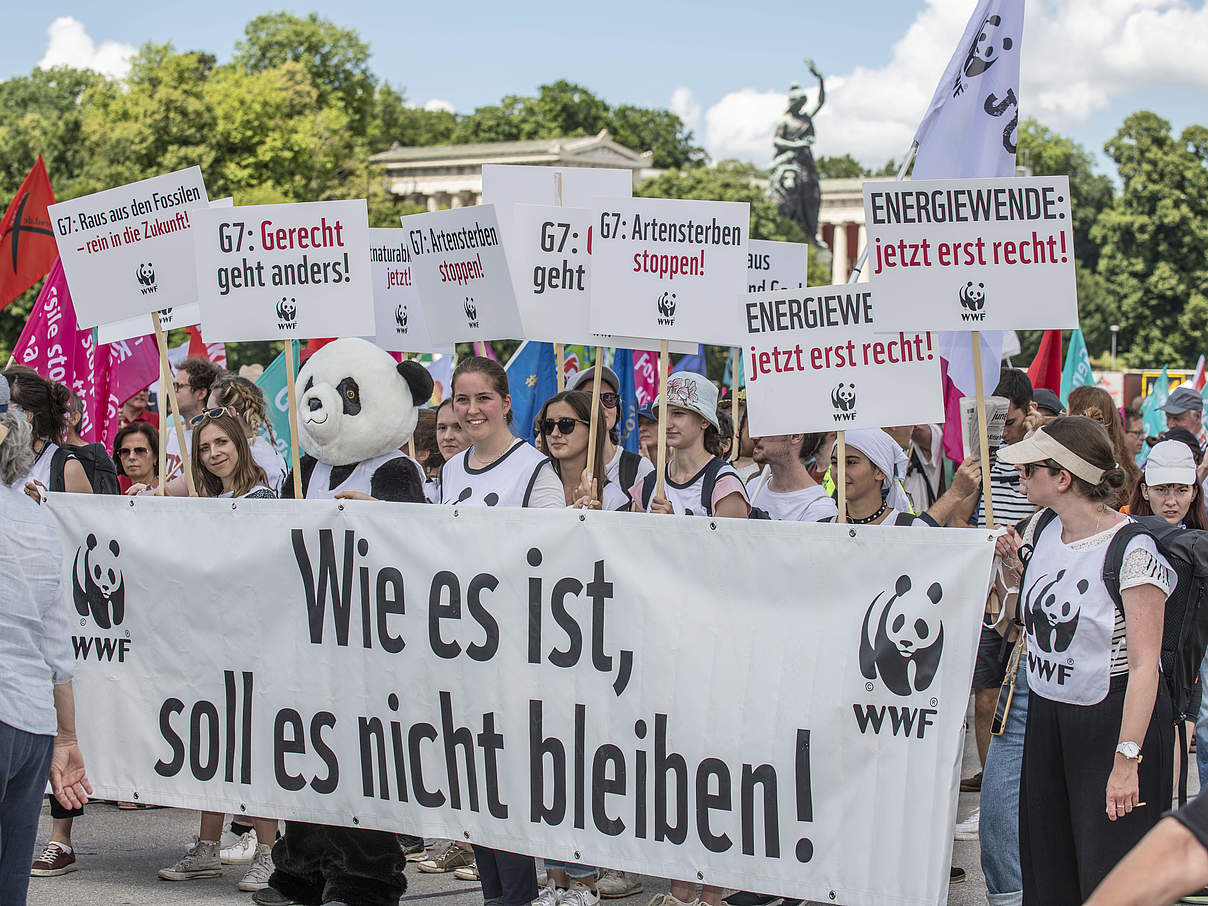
x: 120, y: 851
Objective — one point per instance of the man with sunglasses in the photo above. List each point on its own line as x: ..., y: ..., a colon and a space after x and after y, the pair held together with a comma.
x: 622, y: 467
x: 191, y: 383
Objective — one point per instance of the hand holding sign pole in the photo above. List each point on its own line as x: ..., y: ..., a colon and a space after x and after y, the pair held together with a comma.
x: 185, y: 465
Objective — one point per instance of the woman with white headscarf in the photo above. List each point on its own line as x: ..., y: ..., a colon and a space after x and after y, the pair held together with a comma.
x: 874, y: 496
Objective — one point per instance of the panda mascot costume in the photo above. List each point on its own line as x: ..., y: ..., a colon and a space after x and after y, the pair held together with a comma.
x: 356, y: 408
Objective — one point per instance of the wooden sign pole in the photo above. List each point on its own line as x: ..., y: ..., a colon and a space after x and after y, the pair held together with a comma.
x: 735, y: 359
x: 411, y: 439
x: 162, y: 341
x: 594, y: 427
x: 560, y: 365
x: 661, y: 465
x: 983, y: 437
x: 841, y: 478
x: 291, y: 379
x: 164, y: 384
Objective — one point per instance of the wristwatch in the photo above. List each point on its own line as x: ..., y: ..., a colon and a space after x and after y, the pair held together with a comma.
x: 1129, y: 750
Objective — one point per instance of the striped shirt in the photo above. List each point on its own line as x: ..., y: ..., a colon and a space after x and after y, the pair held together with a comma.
x: 1011, y: 505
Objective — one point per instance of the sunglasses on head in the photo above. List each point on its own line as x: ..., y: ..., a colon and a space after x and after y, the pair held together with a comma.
x: 564, y: 425
x: 211, y: 413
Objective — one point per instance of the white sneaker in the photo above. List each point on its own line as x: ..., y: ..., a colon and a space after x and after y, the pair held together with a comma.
x: 236, y: 850
x: 262, y: 867
x: 967, y: 829
x: 578, y: 895
x: 548, y: 896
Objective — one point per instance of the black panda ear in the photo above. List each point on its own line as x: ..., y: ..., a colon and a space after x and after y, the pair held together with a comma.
x: 91, y: 542
x: 903, y: 585
x: 114, y: 547
x: 418, y: 379
x: 935, y: 592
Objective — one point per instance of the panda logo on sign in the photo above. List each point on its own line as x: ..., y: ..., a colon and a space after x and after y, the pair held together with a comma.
x: 98, y: 587
x: 906, y: 646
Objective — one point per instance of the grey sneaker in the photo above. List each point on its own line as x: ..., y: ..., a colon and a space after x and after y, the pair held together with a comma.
x: 549, y: 896
x: 258, y: 873
x: 201, y: 861
x: 448, y: 859
x: 466, y: 872
x: 614, y: 884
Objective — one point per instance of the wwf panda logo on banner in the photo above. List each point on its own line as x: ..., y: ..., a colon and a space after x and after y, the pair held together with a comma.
x: 905, y: 647
x: 287, y: 313
x: 1050, y: 621
x: 145, y: 275
x: 98, y: 586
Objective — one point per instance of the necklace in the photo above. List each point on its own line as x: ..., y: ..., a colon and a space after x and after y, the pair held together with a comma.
x: 867, y: 519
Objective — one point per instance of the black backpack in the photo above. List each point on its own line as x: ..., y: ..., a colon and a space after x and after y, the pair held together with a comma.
x: 627, y: 473
x: 709, y: 482
x: 101, y: 472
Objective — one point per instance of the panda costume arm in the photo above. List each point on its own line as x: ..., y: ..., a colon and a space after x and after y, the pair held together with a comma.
x: 287, y: 484
x: 398, y: 481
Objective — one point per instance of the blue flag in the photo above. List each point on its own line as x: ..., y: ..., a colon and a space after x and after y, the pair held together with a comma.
x: 532, y: 379
x: 627, y: 416
x: 1077, y: 370
x: 693, y: 361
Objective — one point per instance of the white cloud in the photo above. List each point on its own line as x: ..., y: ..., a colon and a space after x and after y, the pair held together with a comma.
x: 70, y: 45
x: 438, y: 105
x: 684, y: 105
x: 1078, y: 56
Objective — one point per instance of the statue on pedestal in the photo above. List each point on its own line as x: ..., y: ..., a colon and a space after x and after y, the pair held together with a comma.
x: 794, y: 184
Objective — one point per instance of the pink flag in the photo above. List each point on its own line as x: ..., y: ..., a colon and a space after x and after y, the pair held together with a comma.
x: 52, y: 345
x: 645, y: 377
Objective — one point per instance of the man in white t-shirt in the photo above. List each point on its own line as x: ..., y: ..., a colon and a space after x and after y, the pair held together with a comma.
x: 785, y: 488
x: 621, y: 466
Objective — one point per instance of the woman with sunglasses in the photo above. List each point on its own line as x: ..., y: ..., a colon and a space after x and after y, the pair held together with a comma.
x: 247, y: 401
x: 622, y: 467
x: 1098, y: 744
x: 565, y: 425
x: 136, y: 455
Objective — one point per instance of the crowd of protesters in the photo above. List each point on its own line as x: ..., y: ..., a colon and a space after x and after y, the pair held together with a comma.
x: 1073, y: 776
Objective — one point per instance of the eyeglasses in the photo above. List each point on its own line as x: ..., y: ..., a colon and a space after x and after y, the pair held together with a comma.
x: 1139, y: 432
x: 178, y: 386
x: 1029, y: 469
x: 132, y: 451
x: 610, y: 399
x: 211, y: 413
x: 564, y: 425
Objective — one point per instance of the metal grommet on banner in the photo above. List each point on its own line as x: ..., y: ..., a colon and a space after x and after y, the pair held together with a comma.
x: 832, y: 894
x: 582, y: 518
x: 356, y: 820
x: 242, y: 807
x: 234, y: 506
x: 341, y: 507
x: 466, y: 834
x: 456, y: 514
x: 132, y: 501
x: 134, y: 795
x: 713, y: 526
x: 577, y: 856
x: 852, y: 532
x: 700, y: 876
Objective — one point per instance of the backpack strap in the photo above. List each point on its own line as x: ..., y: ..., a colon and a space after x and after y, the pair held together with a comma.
x: 58, y: 462
x: 709, y: 482
x: 648, y: 484
x: 1113, y: 560
x: 628, y: 471
x: 904, y: 519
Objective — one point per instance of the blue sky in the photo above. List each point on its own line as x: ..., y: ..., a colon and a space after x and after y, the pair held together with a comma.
x: 723, y: 67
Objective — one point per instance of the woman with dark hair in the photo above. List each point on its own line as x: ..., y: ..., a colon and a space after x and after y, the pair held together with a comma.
x: 1098, y: 746
x: 222, y: 461
x: 1097, y: 404
x: 136, y: 455
x: 1169, y: 487
x: 427, y: 452
x: 564, y: 422
x: 45, y: 404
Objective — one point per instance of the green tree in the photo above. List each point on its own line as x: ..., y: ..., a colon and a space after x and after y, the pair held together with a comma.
x: 335, y: 59
x: 394, y: 121
x: 660, y: 131
x: 1153, y: 240
x: 843, y: 167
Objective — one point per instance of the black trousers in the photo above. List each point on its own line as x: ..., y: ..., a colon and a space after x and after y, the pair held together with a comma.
x: 509, y: 878
x: 317, y: 863
x: 1067, y: 844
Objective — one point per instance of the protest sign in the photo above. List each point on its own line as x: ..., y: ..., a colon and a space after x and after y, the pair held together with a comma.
x: 284, y: 271
x: 775, y: 265
x: 819, y: 360
x: 668, y: 268
x: 507, y: 185
x: 972, y: 254
x: 402, y: 325
x: 462, y: 271
x: 129, y: 250
x: 498, y: 676
x: 551, y: 271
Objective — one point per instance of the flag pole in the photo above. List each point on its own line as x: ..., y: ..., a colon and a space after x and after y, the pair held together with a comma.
x: 594, y: 427
x: 841, y: 478
x: 735, y: 353
x: 662, y: 398
x: 162, y: 341
x: 983, y: 436
x: 292, y: 394
x: 906, y: 162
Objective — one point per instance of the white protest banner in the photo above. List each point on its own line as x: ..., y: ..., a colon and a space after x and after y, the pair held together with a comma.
x: 399, y: 314
x: 499, y: 676
x: 818, y: 359
x: 972, y: 254
x: 462, y: 272
x: 129, y: 250
x: 548, y: 255
x: 668, y: 268
x: 775, y: 265
x: 284, y: 271
x: 507, y: 185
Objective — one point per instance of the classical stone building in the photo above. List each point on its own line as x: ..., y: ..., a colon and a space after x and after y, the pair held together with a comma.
x: 450, y: 176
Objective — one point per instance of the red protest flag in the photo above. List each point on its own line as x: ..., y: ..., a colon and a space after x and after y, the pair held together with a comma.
x: 27, y: 243
x: 1045, y: 370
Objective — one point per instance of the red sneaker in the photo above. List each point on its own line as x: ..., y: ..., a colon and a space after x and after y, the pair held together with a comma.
x: 54, y: 861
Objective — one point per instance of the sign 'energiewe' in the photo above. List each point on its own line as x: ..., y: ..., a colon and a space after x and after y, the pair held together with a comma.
x: 815, y: 360
x: 128, y: 251
x: 285, y: 271
x: 972, y: 254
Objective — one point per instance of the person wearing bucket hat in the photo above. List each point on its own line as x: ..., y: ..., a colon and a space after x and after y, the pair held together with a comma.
x: 621, y: 467
x: 1098, y: 745
x: 1184, y: 408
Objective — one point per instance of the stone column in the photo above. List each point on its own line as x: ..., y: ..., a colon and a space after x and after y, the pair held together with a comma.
x: 839, y: 254
x: 433, y: 204
x: 861, y: 242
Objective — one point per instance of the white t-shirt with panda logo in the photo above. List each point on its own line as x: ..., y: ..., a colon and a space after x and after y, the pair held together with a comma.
x: 1076, y: 635
x: 510, y: 480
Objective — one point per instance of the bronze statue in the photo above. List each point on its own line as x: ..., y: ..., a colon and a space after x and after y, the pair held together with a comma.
x: 794, y: 182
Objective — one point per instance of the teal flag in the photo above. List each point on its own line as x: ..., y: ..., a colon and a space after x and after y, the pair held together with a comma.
x: 727, y: 378
x: 1077, y: 370
x: 276, y: 397
x: 1153, y: 418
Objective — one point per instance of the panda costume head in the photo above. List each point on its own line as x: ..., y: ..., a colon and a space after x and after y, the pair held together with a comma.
x: 909, y: 631
x: 357, y: 407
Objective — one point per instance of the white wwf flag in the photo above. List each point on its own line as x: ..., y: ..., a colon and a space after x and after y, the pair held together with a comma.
x: 970, y: 127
